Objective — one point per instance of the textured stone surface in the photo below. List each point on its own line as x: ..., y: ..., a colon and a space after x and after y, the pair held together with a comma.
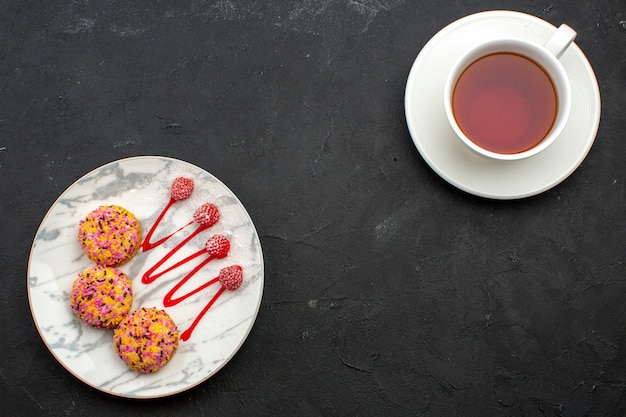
x: 387, y: 291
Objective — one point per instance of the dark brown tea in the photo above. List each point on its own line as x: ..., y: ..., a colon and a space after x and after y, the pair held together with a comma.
x: 505, y: 103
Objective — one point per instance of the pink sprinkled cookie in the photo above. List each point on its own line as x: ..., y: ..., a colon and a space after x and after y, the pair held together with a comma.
x: 102, y: 296
x: 146, y: 339
x: 110, y: 235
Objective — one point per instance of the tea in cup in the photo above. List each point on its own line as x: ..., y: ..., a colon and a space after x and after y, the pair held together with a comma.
x: 510, y: 99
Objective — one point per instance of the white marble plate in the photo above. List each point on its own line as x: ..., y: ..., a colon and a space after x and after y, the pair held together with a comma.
x: 142, y: 185
x: 452, y: 160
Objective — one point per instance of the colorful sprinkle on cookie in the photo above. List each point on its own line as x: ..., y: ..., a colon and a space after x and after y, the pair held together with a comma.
x: 110, y: 235
x: 146, y: 339
x: 102, y: 296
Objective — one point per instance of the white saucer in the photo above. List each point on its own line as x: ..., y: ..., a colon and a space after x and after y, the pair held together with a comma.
x: 142, y: 185
x: 444, y: 152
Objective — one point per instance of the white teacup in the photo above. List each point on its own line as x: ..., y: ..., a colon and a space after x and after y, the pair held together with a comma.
x: 510, y: 99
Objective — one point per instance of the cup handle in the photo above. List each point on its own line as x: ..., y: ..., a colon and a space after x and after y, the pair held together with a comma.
x: 560, y: 41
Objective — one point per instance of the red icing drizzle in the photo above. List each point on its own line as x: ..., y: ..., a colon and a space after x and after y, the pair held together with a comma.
x: 184, y: 336
x: 207, y: 215
x: 146, y: 245
x: 217, y: 247
x: 181, y: 190
x: 230, y: 278
x: 148, y: 277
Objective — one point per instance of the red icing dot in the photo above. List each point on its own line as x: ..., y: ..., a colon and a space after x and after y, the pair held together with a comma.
x: 231, y: 277
x: 182, y: 188
x: 207, y: 215
x: 217, y: 246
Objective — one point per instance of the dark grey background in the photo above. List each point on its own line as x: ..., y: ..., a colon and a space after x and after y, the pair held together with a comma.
x: 387, y: 291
